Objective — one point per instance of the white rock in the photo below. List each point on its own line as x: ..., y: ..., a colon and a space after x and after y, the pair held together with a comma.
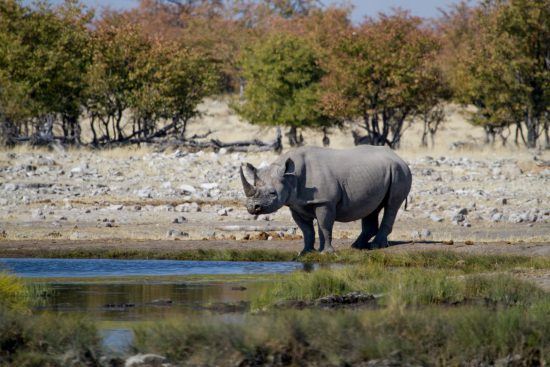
x: 497, y: 217
x: 79, y: 169
x: 145, y: 193
x: 436, y: 218
x: 425, y: 233
x: 209, y: 185
x: 188, y: 189
x: 222, y: 212
x: 10, y: 187
x: 145, y: 360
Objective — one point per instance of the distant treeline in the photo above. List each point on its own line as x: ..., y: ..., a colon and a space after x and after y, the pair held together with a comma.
x: 138, y: 75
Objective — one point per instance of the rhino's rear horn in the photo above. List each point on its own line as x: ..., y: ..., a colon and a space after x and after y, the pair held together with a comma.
x: 249, y: 190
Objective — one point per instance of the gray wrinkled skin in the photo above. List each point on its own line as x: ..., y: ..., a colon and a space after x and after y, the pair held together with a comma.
x: 332, y: 185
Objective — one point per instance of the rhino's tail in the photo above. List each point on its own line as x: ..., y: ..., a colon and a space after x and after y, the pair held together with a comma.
x: 406, y: 202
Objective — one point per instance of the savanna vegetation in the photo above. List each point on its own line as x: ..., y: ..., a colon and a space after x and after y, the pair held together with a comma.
x: 421, y: 317
x: 138, y: 75
x: 27, y: 339
x: 429, y: 308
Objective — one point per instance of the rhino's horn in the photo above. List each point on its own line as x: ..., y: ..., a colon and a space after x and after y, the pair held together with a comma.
x: 249, y: 190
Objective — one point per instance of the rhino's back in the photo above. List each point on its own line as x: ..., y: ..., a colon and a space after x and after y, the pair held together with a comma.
x: 347, y: 163
x: 357, y: 178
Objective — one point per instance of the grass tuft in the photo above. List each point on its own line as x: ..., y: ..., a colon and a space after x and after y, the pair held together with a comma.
x: 431, y: 336
x: 401, y: 287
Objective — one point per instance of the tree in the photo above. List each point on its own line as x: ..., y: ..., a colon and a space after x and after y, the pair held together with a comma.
x: 283, y: 78
x: 44, y: 58
x: 186, y: 78
x: 116, y: 73
x: 501, y: 65
x: 384, y: 71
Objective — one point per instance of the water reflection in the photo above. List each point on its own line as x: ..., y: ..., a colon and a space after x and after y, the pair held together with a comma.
x: 131, y: 302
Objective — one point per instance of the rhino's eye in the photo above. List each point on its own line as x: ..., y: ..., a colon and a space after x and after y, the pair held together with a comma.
x: 273, y: 193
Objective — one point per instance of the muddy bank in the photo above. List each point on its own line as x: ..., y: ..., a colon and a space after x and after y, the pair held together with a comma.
x: 198, y: 248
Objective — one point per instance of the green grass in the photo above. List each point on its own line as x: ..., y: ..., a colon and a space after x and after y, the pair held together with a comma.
x: 401, y: 287
x: 208, y: 254
x: 431, y: 336
x: 47, y: 340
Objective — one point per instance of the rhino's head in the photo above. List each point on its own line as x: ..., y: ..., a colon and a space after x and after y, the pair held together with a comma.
x: 267, y: 189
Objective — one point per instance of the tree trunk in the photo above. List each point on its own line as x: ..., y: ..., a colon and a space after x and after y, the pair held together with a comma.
x: 424, y: 141
x: 119, y: 133
x: 547, y: 136
x: 292, y: 136
x: 94, y: 134
x: 8, y: 133
x: 531, y: 131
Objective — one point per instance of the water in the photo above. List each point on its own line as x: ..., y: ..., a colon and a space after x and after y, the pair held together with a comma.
x: 81, y: 268
x: 120, y: 303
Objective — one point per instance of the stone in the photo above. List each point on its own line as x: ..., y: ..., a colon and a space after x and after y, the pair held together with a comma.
x: 179, y: 220
x: 463, y: 211
x: 222, y: 212
x: 10, y: 187
x: 502, y: 201
x: 436, y: 218
x: 145, y: 193
x: 187, y: 189
x: 76, y: 236
x: 174, y: 233
x: 209, y: 185
x: 161, y: 302
x: 458, y: 218
x: 265, y: 217
x: 145, y: 360
x: 497, y: 217
x: 425, y: 233
x: 79, y: 169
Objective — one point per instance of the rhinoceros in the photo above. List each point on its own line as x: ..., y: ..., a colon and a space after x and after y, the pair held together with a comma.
x: 332, y: 185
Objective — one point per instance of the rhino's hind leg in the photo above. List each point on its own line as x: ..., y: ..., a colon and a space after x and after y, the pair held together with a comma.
x: 369, y: 229
x: 388, y: 219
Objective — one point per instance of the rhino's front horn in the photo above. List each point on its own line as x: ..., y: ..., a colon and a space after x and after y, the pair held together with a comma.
x: 249, y: 190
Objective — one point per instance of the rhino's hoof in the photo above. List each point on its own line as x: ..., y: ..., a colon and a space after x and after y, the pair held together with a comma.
x: 359, y: 246
x: 306, y: 251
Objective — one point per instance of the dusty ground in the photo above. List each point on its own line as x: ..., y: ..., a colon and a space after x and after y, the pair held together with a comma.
x: 138, y: 197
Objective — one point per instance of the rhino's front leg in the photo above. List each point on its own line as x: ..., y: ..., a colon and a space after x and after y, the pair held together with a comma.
x: 306, y: 226
x: 325, y: 221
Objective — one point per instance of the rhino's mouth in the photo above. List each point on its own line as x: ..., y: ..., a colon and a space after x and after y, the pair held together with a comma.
x: 256, y: 208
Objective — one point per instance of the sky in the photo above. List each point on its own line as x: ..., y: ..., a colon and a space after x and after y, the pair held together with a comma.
x: 423, y: 8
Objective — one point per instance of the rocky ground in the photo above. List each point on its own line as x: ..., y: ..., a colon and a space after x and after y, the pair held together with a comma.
x: 484, y: 194
x: 141, y: 195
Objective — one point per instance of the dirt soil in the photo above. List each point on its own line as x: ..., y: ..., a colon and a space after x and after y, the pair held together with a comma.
x: 503, y: 247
